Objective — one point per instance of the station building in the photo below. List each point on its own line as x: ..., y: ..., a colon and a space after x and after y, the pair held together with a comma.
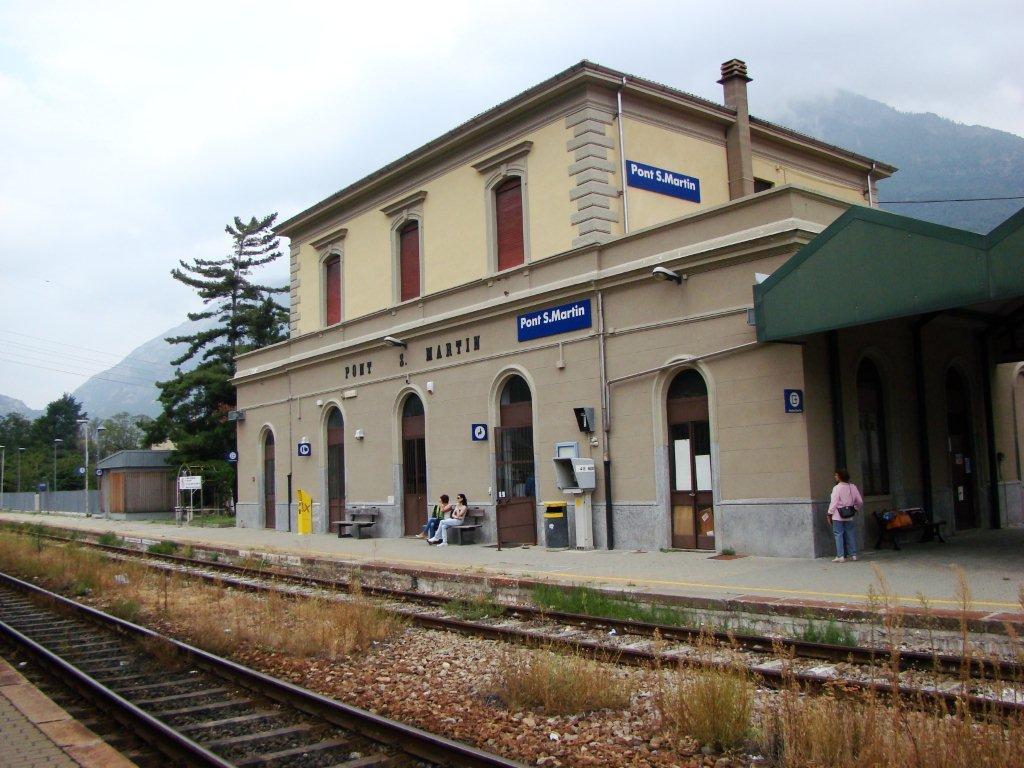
x: 718, y: 290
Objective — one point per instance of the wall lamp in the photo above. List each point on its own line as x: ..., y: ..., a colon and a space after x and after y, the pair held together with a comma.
x: 667, y: 275
x: 394, y: 342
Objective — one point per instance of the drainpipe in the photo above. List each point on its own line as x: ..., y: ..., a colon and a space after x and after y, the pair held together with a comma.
x: 622, y: 159
x: 606, y: 415
x: 990, y: 433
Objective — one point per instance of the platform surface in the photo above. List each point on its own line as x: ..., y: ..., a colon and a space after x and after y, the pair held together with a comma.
x: 992, y: 563
x: 36, y: 733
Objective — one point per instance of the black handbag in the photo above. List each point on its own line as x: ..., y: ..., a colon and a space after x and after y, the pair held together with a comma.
x: 847, y: 512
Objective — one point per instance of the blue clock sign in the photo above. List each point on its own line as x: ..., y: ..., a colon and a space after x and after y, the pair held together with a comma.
x: 794, y: 400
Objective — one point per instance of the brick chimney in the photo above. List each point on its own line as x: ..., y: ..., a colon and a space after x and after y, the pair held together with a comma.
x: 737, y: 138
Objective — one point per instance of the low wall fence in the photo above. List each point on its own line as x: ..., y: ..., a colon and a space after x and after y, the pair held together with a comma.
x: 52, y: 501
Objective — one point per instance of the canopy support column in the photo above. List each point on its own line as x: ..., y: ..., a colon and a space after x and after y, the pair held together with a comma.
x: 994, y: 519
x: 924, y: 455
x: 835, y: 383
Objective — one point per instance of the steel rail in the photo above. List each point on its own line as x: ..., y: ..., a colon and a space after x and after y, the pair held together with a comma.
x: 173, y: 744
x: 406, y: 738
x: 769, y: 676
x: 996, y: 669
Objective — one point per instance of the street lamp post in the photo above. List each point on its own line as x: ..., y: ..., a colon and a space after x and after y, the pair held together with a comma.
x: 56, y: 441
x: 85, y: 430
x: 20, y: 451
x: 3, y: 466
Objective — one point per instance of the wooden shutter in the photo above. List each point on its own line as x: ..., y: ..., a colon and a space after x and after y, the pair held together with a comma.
x: 409, y: 261
x: 508, y: 206
x: 332, y: 277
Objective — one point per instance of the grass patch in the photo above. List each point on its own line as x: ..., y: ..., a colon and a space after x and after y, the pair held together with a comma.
x: 830, y: 633
x: 110, y: 539
x: 591, y: 602
x: 125, y: 608
x: 713, y: 706
x: 474, y: 608
x: 163, y: 548
x: 560, y: 684
x: 213, y: 521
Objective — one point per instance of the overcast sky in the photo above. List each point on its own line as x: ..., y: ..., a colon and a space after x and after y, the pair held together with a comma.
x: 130, y: 134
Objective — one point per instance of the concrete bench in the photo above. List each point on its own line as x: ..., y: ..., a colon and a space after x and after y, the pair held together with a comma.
x: 360, y: 521
x: 460, y: 533
x: 921, y: 522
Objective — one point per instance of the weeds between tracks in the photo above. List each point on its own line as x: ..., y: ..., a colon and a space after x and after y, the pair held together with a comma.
x: 722, y: 710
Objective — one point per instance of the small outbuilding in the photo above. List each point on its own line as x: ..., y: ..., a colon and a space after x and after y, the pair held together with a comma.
x: 137, y: 484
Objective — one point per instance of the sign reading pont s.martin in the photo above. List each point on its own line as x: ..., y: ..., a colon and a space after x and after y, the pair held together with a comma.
x: 554, y: 320
x: 662, y: 181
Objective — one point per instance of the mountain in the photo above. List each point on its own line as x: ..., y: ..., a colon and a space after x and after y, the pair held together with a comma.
x: 10, y: 405
x: 937, y: 158
x: 131, y: 384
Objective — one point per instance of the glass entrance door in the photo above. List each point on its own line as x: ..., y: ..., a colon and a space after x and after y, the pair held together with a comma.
x: 414, y: 466
x: 690, y: 481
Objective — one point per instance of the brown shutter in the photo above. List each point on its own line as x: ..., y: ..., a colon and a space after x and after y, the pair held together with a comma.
x: 508, y: 206
x: 409, y: 261
x: 332, y: 275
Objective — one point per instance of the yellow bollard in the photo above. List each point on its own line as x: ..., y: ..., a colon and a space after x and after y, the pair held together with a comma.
x: 305, y: 513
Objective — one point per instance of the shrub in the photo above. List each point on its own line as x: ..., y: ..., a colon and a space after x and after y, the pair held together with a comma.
x: 711, y: 705
x: 110, y: 539
x: 125, y: 608
x: 163, y: 548
x: 560, y: 684
x: 830, y: 633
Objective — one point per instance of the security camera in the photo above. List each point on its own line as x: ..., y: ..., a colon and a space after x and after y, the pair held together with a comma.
x: 660, y: 273
x: 394, y: 342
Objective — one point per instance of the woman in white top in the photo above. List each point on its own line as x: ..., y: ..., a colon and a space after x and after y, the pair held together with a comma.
x: 844, y: 496
x: 458, y: 517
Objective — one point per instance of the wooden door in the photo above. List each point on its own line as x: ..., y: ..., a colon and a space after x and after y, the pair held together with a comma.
x: 414, y: 466
x: 116, y: 501
x: 335, y: 468
x: 690, y: 489
x: 514, y: 463
x: 961, y: 452
x: 269, y: 497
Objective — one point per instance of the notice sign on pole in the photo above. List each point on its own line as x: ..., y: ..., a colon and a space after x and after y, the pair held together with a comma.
x: 554, y: 320
x: 662, y: 181
x: 190, y: 483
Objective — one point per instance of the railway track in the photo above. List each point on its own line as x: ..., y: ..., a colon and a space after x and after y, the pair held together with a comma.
x: 204, y: 711
x: 983, y: 686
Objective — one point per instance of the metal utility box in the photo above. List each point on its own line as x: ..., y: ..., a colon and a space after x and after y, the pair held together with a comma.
x: 556, y: 525
x: 575, y: 474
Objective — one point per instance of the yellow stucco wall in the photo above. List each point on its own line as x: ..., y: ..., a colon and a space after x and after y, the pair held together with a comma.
x: 781, y: 173
x: 549, y: 184
x: 664, y: 148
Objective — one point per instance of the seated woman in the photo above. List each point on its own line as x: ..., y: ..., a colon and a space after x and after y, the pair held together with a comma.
x: 438, y: 514
x: 458, y: 517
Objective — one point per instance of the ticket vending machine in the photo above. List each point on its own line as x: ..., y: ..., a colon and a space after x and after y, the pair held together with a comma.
x: 577, y: 478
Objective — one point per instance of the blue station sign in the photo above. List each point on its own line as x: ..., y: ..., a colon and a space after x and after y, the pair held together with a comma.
x: 554, y: 320
x: 662, y: 181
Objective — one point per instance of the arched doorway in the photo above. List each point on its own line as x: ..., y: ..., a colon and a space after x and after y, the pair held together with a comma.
x: 414, y: 465
x: 962, y: 466
x: 514, y: 465
x: 269, y: 497
x: 689, y: 442
x: 335, y: 467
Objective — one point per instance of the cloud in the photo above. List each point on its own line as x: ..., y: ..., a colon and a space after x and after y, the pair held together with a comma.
x: 133, y: 132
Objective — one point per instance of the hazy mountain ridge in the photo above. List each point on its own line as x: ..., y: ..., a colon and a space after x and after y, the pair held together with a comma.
x: 10, y: 405
x: 937, y: 158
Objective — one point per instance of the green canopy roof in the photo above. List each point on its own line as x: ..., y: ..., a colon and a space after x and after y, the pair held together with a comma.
x: 870, y: 265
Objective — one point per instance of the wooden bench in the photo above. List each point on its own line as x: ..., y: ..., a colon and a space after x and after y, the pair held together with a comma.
x: 929, y: 528
x: 360, y: 521
x: 457, y: 534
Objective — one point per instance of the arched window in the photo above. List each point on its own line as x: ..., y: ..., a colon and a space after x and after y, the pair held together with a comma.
x: 874, y: 454
x: 409, y: 261
x: 332, y: 290
x: 508, y: 225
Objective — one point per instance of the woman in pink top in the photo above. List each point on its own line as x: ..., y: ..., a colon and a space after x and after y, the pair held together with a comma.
x: 844, y: 494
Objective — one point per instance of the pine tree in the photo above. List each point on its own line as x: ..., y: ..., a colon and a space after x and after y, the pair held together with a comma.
x: 246, y: 316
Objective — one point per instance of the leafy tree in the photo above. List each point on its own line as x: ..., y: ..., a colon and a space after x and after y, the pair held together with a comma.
x: 196, y: 403
x: 59, y: 420
x: 122, y: 432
